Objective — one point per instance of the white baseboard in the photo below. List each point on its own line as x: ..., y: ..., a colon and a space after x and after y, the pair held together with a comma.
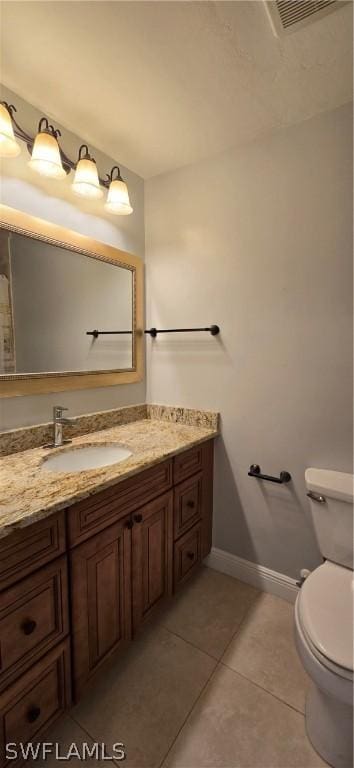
x: 252, y: 573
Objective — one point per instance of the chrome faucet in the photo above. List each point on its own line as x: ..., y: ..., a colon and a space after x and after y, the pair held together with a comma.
x: 58, y: 421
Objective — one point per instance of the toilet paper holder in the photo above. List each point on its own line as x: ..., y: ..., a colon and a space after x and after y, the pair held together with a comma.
x: 255, y: 471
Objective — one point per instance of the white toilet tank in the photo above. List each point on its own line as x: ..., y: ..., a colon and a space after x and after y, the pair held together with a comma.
x: 331, y: 497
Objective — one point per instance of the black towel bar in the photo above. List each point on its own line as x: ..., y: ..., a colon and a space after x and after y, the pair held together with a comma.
x: 213, y: 329
x: 255, y: 471
x: 96, y: 333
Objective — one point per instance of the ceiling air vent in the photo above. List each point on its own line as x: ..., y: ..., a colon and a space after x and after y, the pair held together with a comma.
x: 288, y: 15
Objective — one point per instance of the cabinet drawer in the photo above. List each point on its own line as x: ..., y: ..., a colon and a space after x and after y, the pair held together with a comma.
x: 28, y: 548
x: 187, y: 555
x: 31, y: 704
x: 187, y: 504
x: 33, y: 617
x: 187, y: 463
x: 101, y: 510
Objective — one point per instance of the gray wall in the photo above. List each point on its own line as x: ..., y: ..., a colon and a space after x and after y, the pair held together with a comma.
x: 53, y: 201
x: 259, y: 241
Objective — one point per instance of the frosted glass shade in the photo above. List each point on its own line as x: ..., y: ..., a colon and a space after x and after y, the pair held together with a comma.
x: 118, y: 198
x: 86, y: 182
x: 8, y: 144
x: 45, y: 158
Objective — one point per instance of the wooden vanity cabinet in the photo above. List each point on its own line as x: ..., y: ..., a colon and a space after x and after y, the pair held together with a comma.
x: 112, y: 558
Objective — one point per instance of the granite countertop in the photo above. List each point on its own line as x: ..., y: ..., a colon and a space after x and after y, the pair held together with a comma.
x: 27, y: 494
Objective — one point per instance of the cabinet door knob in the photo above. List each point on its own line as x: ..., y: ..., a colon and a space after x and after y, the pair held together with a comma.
x: 190, y: 555
x: 28, y: 626
x: 190, y: 504
x: 129, y: 524
x: 33, y: 714
x: 138, y: 518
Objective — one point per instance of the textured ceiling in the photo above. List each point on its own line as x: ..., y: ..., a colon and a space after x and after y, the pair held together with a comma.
x: 157, y: 85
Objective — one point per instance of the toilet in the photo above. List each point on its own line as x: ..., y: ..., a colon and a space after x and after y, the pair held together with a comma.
x: 324, y: 619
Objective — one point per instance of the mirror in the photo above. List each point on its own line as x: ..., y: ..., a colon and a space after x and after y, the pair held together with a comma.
x: 57, y: 297
x: 65, y: 309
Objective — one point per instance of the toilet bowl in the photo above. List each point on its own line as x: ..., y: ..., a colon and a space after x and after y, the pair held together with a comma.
x: 324, y: 620
x: 324, y: 641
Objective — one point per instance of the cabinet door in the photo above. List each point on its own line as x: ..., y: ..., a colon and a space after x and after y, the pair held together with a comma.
x: 152, y: 553
x: 101, y: 599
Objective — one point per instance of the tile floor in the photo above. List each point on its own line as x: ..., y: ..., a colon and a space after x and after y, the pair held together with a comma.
x: 214, y: 682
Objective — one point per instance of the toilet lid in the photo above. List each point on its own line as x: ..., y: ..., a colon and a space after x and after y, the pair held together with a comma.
x: 326, y: 612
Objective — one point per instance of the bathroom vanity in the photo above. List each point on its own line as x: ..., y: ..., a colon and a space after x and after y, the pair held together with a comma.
x: 83, y: 575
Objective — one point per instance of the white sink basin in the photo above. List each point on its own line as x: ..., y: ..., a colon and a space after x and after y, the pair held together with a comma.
x: 86, y: 457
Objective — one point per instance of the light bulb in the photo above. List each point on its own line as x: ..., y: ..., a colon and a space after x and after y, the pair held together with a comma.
x: 45, y: 158
x: 86, y: 182
x: 8, y: 144
x: 118, y: 197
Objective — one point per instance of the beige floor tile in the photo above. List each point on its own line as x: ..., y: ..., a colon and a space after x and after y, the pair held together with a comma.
x: 143, y: 698
x: 264, y: 651
x: 209, y: 610
x: 64, y: 733
x: 235, y: 724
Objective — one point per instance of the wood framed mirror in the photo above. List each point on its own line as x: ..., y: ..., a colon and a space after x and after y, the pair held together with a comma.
x: 71, y: 309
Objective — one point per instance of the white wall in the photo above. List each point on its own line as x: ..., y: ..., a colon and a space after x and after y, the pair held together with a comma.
x: 259, y: 241
x: 53, y: 200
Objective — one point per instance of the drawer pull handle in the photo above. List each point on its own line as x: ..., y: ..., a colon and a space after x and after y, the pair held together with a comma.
x: 33, y: 714
x: 138, y: 518
x: 129, y: 524
x: 190, y: 555
x: 190, y: 504
x: 28, y: 626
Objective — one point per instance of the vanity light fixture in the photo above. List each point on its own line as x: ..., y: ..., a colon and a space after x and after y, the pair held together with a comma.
x: 45, y: 158
x: 9, y: 147
x: 49, y: 159
x: 118, y: 196
x: 86, y: 182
